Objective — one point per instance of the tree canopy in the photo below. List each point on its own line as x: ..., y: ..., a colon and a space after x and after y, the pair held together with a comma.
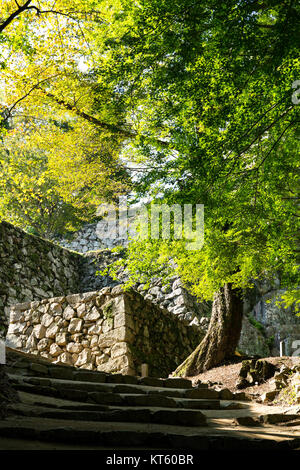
x: 196, y: 95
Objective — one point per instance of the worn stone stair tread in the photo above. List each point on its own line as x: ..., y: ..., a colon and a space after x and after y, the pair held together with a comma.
x: 34, y: 399
x: 198, y: 404
x: 105, y: 398
x: 131, y: 435
x: 94, y: 386
x: 49, y: 402
x: 59, y: 384
x: 22, y: 407
x: 170, y: 382
x: 203, y: 393
x: 148, y: 400
x: 101, y: 395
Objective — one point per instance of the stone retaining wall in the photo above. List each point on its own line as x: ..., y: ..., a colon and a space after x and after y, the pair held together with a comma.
x: 32, y: 268
x: 108, y: 330
x: 86, y: 239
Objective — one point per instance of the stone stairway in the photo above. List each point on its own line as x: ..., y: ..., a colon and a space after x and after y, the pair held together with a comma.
x: 77, y: 407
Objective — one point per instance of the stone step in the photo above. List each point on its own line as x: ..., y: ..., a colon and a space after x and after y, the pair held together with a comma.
x: 198, y: 404
x: 96, y: 386
x: 102, y: 398
x: 148, y: 400
x: 135, y: 436
x: 201, y: 393
x: 27, y: 364
x: 107, y: 397
x: 68, y: 405
x: 44, y: 401
x: 159, y: 416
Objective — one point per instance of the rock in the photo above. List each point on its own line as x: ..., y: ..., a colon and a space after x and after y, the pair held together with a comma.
x: 242, y: 383
x: 75, y: 325
x: 254, y: 371
x: 119, y: 320
x: 16, y: 328
x: 226, y: 394
x: 69, y: 313
x: 74, y: 348
x: 107, y: 325
x: 61, y: 339
x: 44, y: 344
x: 66, y: 358
x: 277, y: 418
x: 115, y: 364
x: 100, y: 360
x: 177, y: 382
x: 93, y: 315
x: 112, y: 337
x: 55, y: 308
x: 199, y: 384
x: 83, y: 358
x: 119, y: 349
x: 39, y: 331
x: 202, y: 393
x: 52, y: 330
x: 81, y: 309
x: 269, y: 396
x: 151, y: 381
x: 180, y: 417
x: 94, y: 341
x: 232, y: 406
x: 55, y: 350
x: 65, y: 373
x: 31, y: 342
x: 241, y: 396
x: 246, y: 421
x: 16, y: 316
x: 195, y: 322
x: 46, y: 320
x: 95, y: 329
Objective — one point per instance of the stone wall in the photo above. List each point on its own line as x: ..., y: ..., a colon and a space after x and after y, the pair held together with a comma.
x: 279, y: 323
x: 86, y: 239
x: 108, y: 330
x: 32, y: 268
x: 252, y: 341
x: 174, y: 298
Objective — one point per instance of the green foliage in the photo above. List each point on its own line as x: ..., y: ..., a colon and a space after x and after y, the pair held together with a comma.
x: 291, y: 298
x: 270, y: 341
x: 53, y: 178
x: 107, y: 310
x: 215, y: 82
x: 198, y: 94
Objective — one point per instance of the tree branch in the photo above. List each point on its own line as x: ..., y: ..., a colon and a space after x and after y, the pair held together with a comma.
x: 14, y: 15
x: 97, y: 122
x: 275, y: 143
x: 28, y: 93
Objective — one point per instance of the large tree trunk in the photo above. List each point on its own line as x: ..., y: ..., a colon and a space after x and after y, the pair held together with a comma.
x: 222, y: 336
